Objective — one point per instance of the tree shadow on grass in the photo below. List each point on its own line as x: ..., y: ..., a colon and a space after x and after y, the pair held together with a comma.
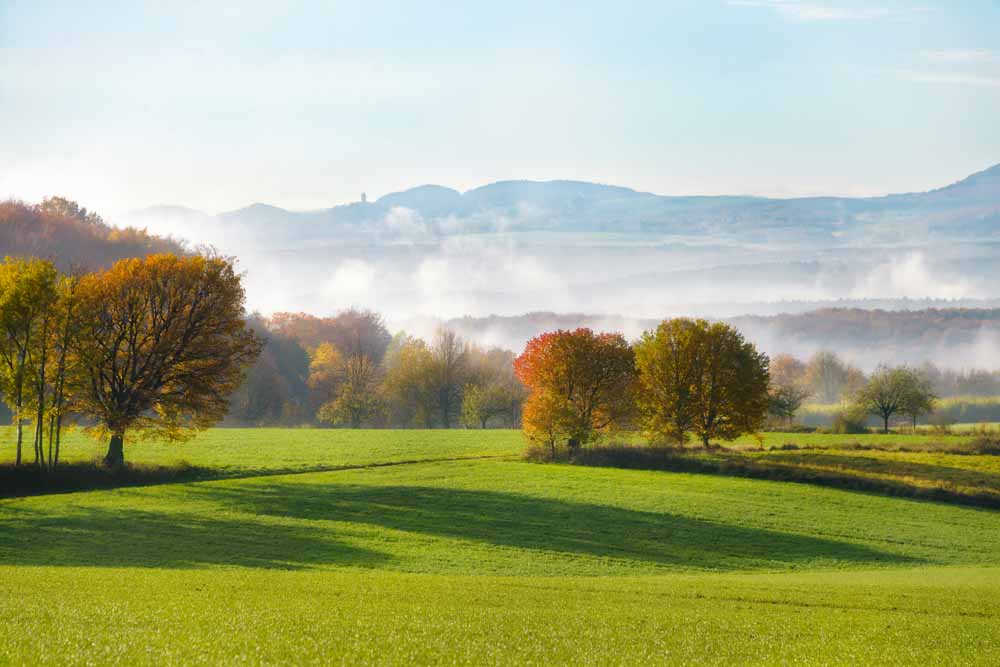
x: 927, y: 472
x: 854, y: 473
x: 100, y: 537
x: 526, y: 522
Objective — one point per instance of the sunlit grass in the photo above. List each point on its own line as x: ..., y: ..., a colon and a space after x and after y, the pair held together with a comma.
x: 471, y: 560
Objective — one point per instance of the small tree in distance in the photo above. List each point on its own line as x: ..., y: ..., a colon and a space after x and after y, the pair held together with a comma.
x: 891, y: 391
x: 785, y: 400
x: 920, y: 399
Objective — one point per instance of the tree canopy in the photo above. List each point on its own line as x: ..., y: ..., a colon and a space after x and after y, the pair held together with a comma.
x: 695, y: 376
x: 163, y: 343
x: 581, y: 385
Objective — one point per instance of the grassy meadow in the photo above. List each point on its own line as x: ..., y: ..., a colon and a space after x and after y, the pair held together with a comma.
x: 336, y: 546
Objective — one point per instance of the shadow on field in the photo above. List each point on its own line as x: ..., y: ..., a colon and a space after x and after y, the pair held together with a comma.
x: 889, y: 477
x: 924, y: 472
x: 129, y: 538
x: 512, y: 520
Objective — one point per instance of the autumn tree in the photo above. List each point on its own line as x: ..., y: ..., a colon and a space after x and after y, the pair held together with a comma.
x: 787, y: 371
x: 326, y: 365
x: 357, y: 399
x: 28, y: 291
x: 351, y: 332
x: 162, y: 345
x: 65, y: 330
x: 448, y: 374
x: 580, y: 384
x: 408, y: 388
x: 695, y: 376
x: 829, y: 378
x: 492, y: 390
x: 66, y: 208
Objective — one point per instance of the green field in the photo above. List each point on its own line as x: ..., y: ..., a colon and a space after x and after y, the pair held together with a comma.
x: 319, y: 546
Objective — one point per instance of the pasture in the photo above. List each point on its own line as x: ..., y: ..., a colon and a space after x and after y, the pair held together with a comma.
x: 336, y: 546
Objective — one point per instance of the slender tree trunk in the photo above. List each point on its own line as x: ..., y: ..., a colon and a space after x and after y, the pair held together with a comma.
x: 116, y: 453
x: 39, y: 443
x: 55, y: 461
x: 52, y: 429
x: 704, y: 440
x: 885, y: 428
x: 573, y: 445
x: 20, y: 430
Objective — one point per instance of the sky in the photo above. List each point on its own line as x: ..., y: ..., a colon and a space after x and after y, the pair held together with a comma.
x: 305, y: 105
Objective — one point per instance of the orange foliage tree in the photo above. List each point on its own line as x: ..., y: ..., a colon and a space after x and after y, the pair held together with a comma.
x: 162, y: 344
x: 581, y: 386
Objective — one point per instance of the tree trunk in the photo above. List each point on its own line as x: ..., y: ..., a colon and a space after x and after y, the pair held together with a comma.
x: 885, y: 429
x: 573, y: 445
x: 20, y: 433
x: 704, y: 441
x: 55, y: 461
x: 116, y: 454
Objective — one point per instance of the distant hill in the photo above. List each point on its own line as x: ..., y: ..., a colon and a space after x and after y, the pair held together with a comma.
x: 967, y: 210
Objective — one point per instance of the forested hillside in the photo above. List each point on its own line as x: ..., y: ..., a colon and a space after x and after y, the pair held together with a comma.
x: 72, y: 237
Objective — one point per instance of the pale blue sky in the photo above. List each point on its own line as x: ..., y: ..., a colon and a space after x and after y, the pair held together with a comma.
x: 307, y: 104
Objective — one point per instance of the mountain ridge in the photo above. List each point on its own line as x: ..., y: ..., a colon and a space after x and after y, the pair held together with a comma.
x: 966, y: 210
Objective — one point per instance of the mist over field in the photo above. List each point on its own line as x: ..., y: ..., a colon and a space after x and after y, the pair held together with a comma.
x: 431, y: 254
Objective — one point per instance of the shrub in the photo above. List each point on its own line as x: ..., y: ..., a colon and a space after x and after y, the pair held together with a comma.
x: 849, y: 421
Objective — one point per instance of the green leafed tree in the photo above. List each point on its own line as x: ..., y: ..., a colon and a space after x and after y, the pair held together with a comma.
x: 892, y: 391
x: 885, y: 393
x: 357, y: 398
x: 28, y: 293
x: 702, y: 378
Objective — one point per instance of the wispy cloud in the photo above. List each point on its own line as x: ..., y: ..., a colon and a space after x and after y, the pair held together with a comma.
x: 946, y: 67
x: 812, y: 12
x: 954, y: 78
x: 960, y: 56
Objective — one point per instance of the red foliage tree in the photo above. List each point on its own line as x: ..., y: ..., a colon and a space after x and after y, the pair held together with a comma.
x: 581, y: 386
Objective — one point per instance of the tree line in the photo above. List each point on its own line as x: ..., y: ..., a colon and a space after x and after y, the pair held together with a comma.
x: 348, y: 370
x: 688, y: 378
x: 151, y: 346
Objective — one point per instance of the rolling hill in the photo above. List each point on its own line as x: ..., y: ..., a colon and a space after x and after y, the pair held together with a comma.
x: 967, y: 210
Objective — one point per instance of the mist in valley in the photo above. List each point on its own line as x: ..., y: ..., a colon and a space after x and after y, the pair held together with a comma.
x: 481, y: 261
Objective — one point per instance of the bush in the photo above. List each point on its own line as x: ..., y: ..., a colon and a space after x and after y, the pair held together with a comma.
x: 849, y: 421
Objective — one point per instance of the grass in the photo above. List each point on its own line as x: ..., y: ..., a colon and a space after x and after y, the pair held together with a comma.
x: 287, y: 559
x: 952, y: 475
x: 233, y: 452
x: 74, y: 616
